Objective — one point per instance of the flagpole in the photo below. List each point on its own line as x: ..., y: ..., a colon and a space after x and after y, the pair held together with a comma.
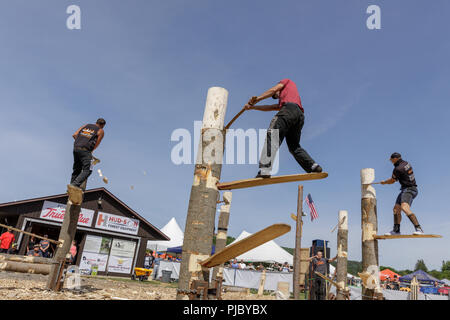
x: 298, y: 243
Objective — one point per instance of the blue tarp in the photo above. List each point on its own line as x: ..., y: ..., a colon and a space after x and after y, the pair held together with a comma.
x: 421, y: 276
x: 180, y: 249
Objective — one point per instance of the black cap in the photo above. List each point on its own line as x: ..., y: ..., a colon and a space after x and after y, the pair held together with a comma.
x: 396, y: 155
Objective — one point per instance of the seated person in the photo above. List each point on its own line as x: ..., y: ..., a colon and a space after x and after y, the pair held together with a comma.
x: 36, y: 252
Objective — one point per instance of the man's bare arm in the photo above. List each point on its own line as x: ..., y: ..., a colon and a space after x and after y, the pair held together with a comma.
x: 77, y: 132
x: 388, y: 181
x: 101, y: 134
x: 269, y: 93
x: 272, y: 107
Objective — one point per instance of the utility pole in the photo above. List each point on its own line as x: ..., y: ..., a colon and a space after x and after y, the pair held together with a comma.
x: 222, y: 231
x: 370, y: 274
x: 342, y: 247
x: 298, y: 243
x: 201, y: 214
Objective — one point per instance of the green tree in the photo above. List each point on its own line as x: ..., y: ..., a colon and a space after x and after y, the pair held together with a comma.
x: 445, y: 266
x: 420, y: 265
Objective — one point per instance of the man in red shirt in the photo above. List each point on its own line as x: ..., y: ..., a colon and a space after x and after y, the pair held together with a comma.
x: 288, y: 122
x: 5, y: 241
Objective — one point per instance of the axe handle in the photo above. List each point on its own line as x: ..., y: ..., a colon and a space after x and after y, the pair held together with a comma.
x: 234, y: 119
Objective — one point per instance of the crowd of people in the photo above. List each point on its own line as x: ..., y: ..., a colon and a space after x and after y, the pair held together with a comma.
x: 36, y: 248
x: 277, y: 267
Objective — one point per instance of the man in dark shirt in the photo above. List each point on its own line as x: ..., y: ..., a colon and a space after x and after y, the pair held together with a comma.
x: 404, y: 174
x: 288, y: 122
x: 87, y: 139
x: 320, y: 265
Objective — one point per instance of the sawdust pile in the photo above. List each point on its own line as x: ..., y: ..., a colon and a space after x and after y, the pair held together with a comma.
x: 17, y: 286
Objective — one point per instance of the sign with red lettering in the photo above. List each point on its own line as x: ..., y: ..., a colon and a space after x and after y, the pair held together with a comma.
x: 55, y: 212
x: 113, y: 222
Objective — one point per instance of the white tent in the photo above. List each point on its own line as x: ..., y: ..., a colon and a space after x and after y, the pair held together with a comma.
x: 267, y: 252
x: 173, y: 231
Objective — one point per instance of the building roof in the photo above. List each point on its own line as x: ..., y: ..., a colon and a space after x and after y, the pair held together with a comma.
x: 134, y: 213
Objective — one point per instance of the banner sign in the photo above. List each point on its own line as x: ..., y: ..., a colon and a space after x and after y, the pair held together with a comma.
x: 123, y: 248
x: 89, y: 259
x: 55, y: 212
x: 119, y: 264
x: 113, y: 222
x: 95, y: 244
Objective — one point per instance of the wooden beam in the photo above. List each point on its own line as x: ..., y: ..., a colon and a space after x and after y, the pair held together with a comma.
x: 27, y: 259
x: 29, y: 233
x: 22, y: 267
x: 406, y: 236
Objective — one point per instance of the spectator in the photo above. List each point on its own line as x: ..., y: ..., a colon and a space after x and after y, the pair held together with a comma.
x: 242, y: 265
x: 5, y: 241
x: 36, y: 252
x: 251, y: 266
x: 45, y: 246
x: 73, y: 252
x: 235, y: 264
x: 156, y: 265
x: 285, y: 267
x: 320, y: 265
x: 260, y: 267
x: 13, y: 249
x: 148, y: 260
x: 31, y: 243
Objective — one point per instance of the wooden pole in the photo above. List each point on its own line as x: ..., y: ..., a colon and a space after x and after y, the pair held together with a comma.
x: 342, y: 247
x: 298, y: 243
x: 29, y: 233
x: 222, y: 231
x: 204, y: 193
x: 370, y: 274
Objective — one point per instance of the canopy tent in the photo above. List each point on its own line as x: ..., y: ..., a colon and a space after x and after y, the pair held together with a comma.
x: 268, y: 252
x: 173, y: 231
x: 446, y: 282
x: 421, y: 276
x: 387, y: 273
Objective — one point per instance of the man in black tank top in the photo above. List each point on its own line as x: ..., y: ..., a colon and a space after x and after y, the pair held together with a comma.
x: 404, y: 174
x: 87, y: 139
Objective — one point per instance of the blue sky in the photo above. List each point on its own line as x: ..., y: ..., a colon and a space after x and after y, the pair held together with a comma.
x: 146, y: 66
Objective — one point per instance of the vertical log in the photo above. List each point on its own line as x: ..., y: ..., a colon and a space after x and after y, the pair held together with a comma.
x: 262, y: 283
x: 222, y: 231
x: 370, y: 274
x: 204, y: 193
x: 298, y: 243
x: 342, y: 247
x: 66, y: 236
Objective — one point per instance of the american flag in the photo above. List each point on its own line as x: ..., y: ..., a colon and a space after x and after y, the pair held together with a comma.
x: 312, y: 207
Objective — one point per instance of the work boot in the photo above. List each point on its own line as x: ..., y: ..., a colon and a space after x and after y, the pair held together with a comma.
x: 316, y: 168
x: 418, y: 230
x: 75, y: 194
x: 395, y: 231
x: 263, y: 174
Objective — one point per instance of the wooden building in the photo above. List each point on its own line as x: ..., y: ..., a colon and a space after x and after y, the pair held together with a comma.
x: 111, y: 237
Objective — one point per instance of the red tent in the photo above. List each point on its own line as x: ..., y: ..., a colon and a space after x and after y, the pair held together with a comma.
x: 388, y: 273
